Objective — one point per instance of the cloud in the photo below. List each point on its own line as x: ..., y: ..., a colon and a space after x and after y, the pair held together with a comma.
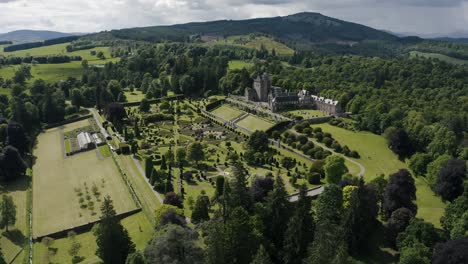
x: 423, y: 16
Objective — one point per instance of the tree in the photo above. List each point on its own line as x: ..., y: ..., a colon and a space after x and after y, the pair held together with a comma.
x: 260, y: 188
x: 239, y: 195
x: 261, y: 257
x: 169, y: 214
x: 195, y: 152
x: 201, y: 211
x: 416, y: 233
x: 173, y: 199
x: 144, y: 105
x: 12, y: 165
x: 181, y: 156
x: 434, y: 168
x: 136, y: 258
x: 112, y: 239
x: 300, y: 231
x: 77, y: 98
x: 239, y: 240
x: 116, y: 113
x: 398, y: 222
x: 399, y: 192
x: 16, y: 137
x: 451, y: 252
x: 334, y: 168
x: 278, y: 212
x: 288, y: 163
x: 399, y: 143
x: 418, y: 163
x: 329, y: 245
x: 450, y: 181
x: 74, y: 250
x: 148, y: 167
x: 419, y: 254
x: 258, y: 141
x: 174, y: 244
x: 8, y: 212
x: 2, y: 258
x: 454, y: 214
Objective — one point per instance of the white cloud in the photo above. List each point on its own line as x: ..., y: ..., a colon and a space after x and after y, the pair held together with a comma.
x: 423, y: 16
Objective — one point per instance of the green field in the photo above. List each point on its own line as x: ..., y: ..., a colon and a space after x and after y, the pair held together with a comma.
x: 55, y: 72
x: 13, y: 242
x: 138, y: 226
x: 255, y: 42
x: 438, y: 56
x: 105, y: 151
x: 227, y: 112
x: 253, y: 123
x: 58, y: 182
x: 58, y: 49
x: 378, y: 159
x: 135, y: 96
x: 239, y: 64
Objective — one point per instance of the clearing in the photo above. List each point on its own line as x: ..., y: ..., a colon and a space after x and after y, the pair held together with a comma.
x: 439, y: 56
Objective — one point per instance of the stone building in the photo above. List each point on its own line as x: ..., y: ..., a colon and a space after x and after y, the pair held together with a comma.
x: 278, y: 99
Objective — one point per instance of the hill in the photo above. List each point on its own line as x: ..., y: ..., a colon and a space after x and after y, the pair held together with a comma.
x: 305, y: 28
x: 25, y: 36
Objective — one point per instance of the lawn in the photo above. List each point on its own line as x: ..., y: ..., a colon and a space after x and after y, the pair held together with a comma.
x: 253, y: 123
x: 227, y: 112
x: 15, y: 240
x: 438, y: 56
x: 60, y: 185
x: 239, y: 64
x: 105, y: 151
x: 135, y: 96
x: 378, y: 159
x: 138, y: 226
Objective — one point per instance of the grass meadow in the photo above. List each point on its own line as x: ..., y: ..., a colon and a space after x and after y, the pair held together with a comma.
x: 378, y: 159
x: 63, y: 186
x: 15, y: 241
x: 138, y: 226
x: 438, y: 56
x: 239, y: 64
x: 255, y: 42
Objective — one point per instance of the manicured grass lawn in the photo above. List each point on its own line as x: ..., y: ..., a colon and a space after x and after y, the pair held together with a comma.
x: 378, y: 159
x: 138, y: 226
x: 105, y: 151
x: 227, y: 112
x: 375, y: 155
x: 12, y: 242
x: 438, y: 56
x: 253, y: 123
x: 239, y: 64
x: 135, y: 96
x: 58, y: 180
x: 67, y: 146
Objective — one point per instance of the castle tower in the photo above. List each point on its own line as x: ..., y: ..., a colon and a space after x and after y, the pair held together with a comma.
x: 262, y: 85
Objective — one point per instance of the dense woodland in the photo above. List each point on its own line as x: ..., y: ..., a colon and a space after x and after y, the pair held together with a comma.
x: 420, y: 105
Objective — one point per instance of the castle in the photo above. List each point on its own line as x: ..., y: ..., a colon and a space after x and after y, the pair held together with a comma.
x: 276, y: 99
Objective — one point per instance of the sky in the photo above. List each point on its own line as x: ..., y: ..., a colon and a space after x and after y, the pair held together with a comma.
x: 422, y: 17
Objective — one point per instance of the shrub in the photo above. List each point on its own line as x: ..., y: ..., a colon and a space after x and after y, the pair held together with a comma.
x: 314, y: 178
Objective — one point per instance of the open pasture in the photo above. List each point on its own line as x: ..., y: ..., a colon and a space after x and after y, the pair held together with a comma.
x: 378, y: 159
x: 67, y: 192
x: 253, y: 123
x: 227, y: 112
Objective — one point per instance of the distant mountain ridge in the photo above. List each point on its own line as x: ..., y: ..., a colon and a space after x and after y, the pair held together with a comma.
x: 26, y: 36
x: 306, y: 27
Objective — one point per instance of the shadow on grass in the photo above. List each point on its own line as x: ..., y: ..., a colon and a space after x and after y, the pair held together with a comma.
x: 16, y: 237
